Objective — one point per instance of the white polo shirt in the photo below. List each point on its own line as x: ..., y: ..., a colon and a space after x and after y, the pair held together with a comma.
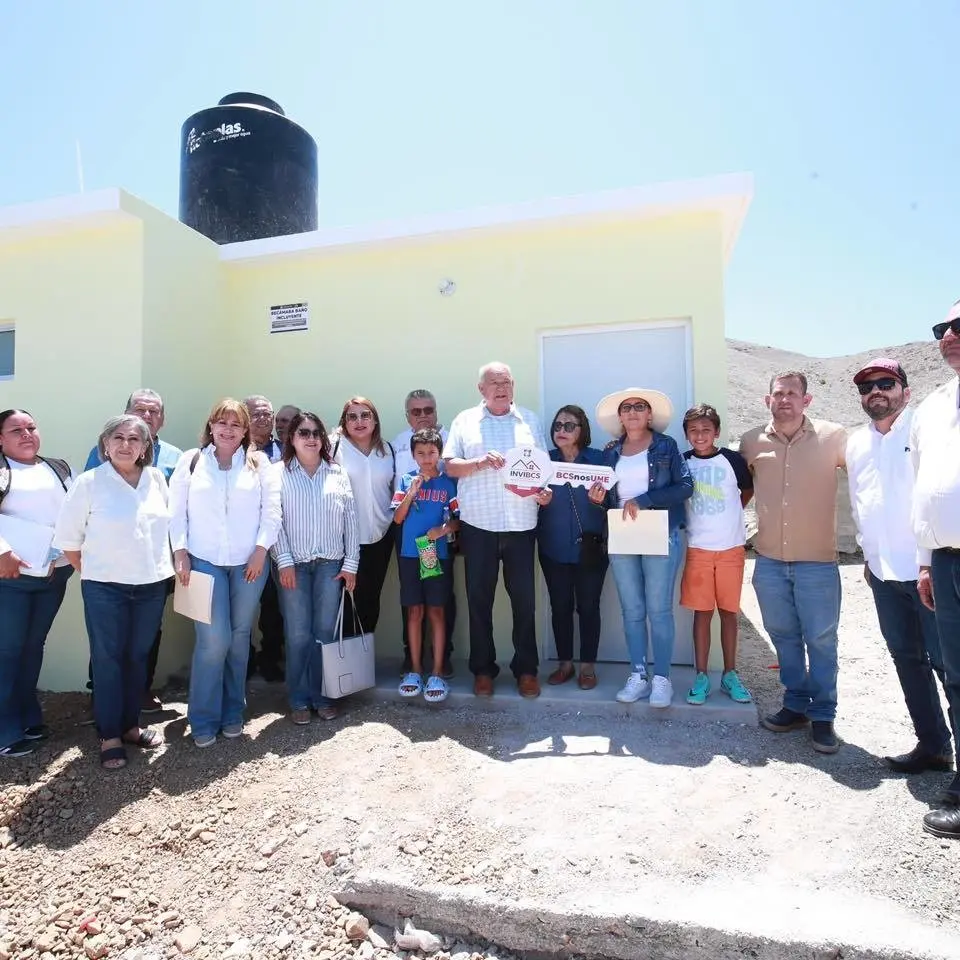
x: 935, y: 450
x: 122, y: 532
x: 880, y: 476
x: 484, y: 501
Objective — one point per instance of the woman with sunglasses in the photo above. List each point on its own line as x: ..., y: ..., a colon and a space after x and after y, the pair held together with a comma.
x: 317, y: 553
x: 371, y: 464
x: 571, y: 531
x: 225, y: 506
x: 650, y: 474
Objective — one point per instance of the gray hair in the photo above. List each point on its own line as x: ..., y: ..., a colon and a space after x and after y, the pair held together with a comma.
x: 143, y: 393
x: 494, y: 365
x: 256, y: 398
x: 418, y: 395
x: 119, y: 423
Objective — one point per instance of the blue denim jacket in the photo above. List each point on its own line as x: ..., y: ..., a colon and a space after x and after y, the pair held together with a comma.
x: 670, y: 481
x: 557, y: 530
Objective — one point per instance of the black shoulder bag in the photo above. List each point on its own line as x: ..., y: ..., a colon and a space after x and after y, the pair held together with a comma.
x: 593, y: 547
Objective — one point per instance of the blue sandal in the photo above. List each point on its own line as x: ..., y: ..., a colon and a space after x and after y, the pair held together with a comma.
x: 411, y: 685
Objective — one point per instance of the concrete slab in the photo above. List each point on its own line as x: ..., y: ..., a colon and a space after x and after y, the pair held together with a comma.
x: 569, y: 698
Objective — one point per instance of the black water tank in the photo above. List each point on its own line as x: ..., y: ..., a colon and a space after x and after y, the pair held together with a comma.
x: 247, y: 171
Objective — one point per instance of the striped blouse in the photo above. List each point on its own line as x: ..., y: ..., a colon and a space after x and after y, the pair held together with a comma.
x: 319, y: 517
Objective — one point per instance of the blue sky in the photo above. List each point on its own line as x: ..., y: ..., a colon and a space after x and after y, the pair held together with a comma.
x: 845, y: 112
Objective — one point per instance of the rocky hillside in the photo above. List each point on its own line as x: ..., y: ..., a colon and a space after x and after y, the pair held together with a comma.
x: 750, y: 365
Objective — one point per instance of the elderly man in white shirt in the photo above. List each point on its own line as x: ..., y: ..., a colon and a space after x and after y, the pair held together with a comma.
x: 880, y: 473
x: 420, y: 410
x: 497, y: 525
x: 935, y: 448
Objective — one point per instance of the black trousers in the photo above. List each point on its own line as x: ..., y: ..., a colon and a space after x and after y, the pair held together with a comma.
x: 271, y: 624
x: 573, y: 586
x: 374, y: 561
x: 483, y: 552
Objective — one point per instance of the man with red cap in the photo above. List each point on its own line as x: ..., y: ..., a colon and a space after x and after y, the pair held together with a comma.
x: 880, y: 473
x: 935, y: 448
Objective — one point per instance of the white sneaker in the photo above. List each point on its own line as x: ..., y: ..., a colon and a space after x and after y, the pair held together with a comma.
x: 662, y: 693
x: 636, y: 688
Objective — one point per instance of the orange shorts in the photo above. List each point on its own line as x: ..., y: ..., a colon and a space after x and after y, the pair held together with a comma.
x: 712, y: 579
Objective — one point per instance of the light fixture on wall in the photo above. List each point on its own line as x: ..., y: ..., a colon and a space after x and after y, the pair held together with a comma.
x: 447, y: 288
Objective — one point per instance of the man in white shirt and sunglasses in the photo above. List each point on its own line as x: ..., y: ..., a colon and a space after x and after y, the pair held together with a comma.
x: 935, y: 449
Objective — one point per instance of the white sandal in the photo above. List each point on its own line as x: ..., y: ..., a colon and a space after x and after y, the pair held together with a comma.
x: 411, y: 685
x: 437, y: 690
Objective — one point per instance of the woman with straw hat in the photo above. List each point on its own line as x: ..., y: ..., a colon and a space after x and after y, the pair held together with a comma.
x: 650, y: 474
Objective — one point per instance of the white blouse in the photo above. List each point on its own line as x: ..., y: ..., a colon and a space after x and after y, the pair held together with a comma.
x: 35, y: 494
x: 122, y: 532
x: 222, y: 516
x: 633, y: 476
x: 371, y: 478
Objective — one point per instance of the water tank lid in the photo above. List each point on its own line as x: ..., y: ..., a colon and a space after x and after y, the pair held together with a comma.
x: 251, y: 99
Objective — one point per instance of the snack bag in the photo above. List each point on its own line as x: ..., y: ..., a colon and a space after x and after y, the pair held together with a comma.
x: 429, y: 562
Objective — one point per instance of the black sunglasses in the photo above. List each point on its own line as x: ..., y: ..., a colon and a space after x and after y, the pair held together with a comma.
x: 639, y: 407
x: 940, y: 329
x: 305, y: 433
x: 886, y: 384
x: 421, y: 411
x: 566, y: 427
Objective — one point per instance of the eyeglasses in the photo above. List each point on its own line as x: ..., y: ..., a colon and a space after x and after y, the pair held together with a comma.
x: 566, y: 426
x: 639, y: 407
x: 363, y: 415
x: 262, y: 415
x: 886, y: 384
x: 421, y: 411
x: 940, y: 329
x: 305, y: 433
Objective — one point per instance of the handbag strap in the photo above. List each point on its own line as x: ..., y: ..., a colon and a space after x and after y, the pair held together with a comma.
x: 576, y: 512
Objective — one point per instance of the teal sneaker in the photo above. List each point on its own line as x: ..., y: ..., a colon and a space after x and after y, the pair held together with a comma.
x: 700, y: 690
x: 730, y: 684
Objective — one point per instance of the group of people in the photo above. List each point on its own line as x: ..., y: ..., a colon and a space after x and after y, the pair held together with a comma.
x: 317, y: 515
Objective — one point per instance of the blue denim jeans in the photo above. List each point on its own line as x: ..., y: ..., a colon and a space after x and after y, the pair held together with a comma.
x: 646, y: 587
x: 800, y: 607
x: 309, y: 616
x: 945, y: 571
x: 218, y: 673
x: 122, y: 622
x: 28, y: 606
x: 910, y: 630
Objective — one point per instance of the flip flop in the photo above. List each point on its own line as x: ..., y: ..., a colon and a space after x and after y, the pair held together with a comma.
x: 113, y: 758
x: 411, y: 685
x: 147, y: 740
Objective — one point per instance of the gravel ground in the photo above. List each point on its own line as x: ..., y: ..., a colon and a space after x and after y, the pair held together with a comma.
x: 237, y: 850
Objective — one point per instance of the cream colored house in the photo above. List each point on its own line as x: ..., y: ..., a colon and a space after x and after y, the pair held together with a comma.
x: 101, y: 293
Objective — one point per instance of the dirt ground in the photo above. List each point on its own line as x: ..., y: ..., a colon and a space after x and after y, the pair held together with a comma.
x: 236, y: 850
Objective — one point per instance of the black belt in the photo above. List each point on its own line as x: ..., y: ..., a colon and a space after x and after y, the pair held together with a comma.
x: 951, y: 550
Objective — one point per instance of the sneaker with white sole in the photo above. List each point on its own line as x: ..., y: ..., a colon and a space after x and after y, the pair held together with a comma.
x: 232, y: 730
x: 661, y: 695
x: 636, y: 688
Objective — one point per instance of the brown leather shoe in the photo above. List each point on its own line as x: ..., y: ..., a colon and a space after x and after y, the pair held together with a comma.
x: 588, y: 677
x: 482, y: 685
x: 528, y: 686
x: 562, y: 674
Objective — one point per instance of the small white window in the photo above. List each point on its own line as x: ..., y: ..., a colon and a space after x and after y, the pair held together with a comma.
x: 7, y: 339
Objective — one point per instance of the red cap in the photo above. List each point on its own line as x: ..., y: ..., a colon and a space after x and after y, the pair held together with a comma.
x: 881, y: 365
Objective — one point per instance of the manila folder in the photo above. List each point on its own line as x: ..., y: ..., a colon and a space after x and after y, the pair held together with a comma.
x: 195, y: 601
x: 647, y: 533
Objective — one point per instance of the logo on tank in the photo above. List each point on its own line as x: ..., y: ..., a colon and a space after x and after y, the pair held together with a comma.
x: 226, y: 131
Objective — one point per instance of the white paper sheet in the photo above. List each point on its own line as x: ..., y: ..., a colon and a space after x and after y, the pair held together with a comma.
x: 647, y: 533
x: 195, y: 601
x: 30, y: 542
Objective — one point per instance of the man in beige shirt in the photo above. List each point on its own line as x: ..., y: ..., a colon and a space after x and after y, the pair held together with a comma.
x: 794, y: 461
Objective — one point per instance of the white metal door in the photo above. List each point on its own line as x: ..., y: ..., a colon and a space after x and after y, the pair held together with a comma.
x: 580, y: 366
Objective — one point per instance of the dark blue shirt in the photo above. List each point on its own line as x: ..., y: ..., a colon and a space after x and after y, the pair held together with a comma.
x: 557, y: 530
x: 426, y: 512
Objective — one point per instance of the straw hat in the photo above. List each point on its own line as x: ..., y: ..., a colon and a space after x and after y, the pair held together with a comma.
x: 609, y: 418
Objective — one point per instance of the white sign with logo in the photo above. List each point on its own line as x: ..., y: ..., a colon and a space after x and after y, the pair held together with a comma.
x: 527, y: 467
x: 286, y: 317
x: 581, y: 475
